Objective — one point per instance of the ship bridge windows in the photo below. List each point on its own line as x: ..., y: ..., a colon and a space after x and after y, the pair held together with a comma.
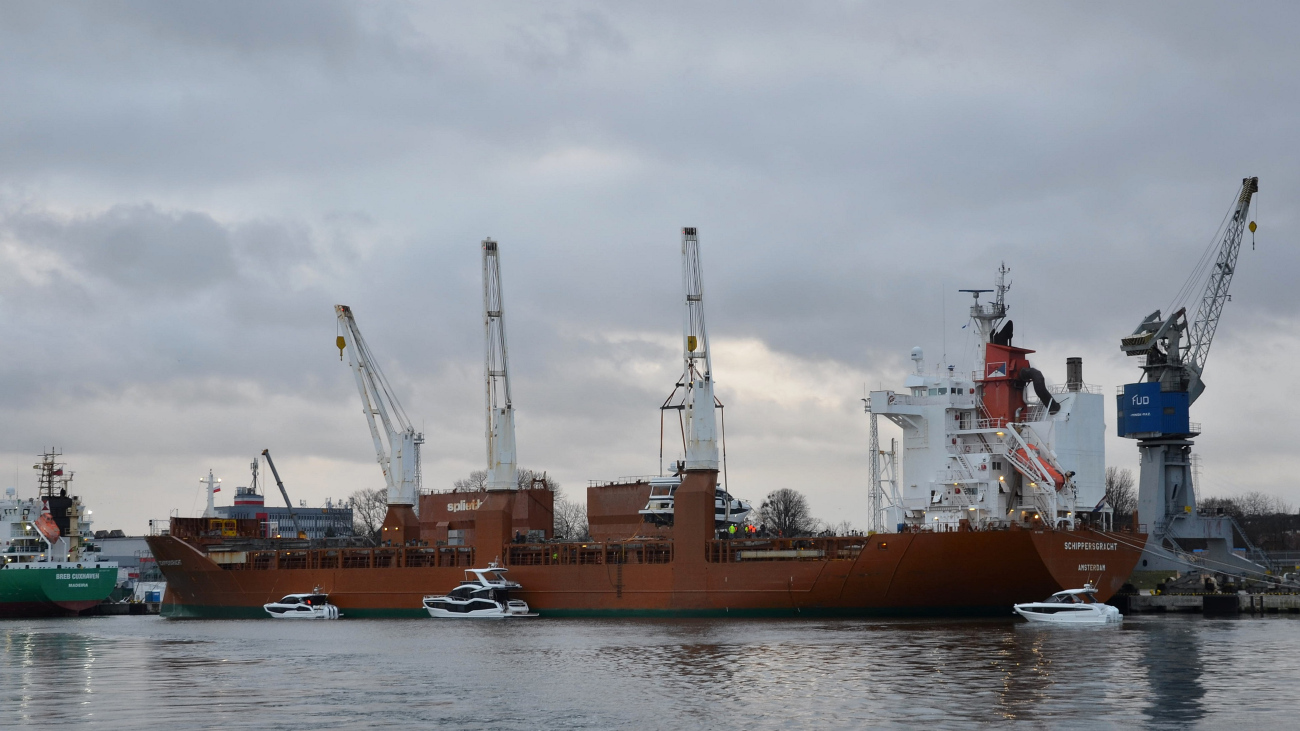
x: 938, y: 391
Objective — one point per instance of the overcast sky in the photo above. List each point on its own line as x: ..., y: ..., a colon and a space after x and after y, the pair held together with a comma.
x: 186, y: 189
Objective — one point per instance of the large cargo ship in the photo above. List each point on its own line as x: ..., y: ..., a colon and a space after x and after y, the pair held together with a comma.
x: 987, y: 515
x: 49, y: 569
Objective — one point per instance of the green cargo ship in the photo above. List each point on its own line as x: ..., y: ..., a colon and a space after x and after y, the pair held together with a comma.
x: 39, y: 589
x: 49, y: 566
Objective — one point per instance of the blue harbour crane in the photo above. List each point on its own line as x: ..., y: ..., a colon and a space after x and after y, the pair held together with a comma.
x: 1155, y: 412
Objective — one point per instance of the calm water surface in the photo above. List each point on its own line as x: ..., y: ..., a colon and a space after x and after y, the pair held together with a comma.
x: 1154, y: 672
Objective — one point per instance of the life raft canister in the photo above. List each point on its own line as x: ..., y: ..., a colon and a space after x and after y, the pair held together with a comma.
x: 1052, y: 472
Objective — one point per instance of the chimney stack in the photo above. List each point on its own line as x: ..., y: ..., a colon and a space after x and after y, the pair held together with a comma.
x: 1074, y: 374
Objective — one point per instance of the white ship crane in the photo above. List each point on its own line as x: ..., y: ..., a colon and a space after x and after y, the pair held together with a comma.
x: 400, y: 457
x: 1155, y: 411
x: 698, y: 416
x: 503, y: 472
x: 693, y: 399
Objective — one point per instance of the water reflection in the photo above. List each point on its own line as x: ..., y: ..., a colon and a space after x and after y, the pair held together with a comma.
x: 649, y: 674
x: 1172, y: 660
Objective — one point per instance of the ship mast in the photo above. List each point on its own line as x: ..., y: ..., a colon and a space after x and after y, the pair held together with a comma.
x: 503, y: 471
x: 214, y: 484
x: 988, y: 316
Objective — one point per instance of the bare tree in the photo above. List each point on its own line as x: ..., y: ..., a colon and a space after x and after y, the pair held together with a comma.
x: 369, y: 508
x: 476, y: 481
x: 1226, y: 505
x: 842, y: 528
x: 571, y: 520
x: 1259, y: 503
x: 786, y: 513
x: 1120, y: 494
x: 527, y: 476
x: 1247, y: 505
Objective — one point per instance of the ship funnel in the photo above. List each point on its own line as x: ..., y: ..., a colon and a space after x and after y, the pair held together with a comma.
x: 1074, y: 374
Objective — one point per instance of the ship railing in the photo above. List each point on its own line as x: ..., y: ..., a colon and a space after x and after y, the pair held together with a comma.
x: 629, y: 480
x: 577, y: 553
x: 349, y: 558
x: 1066, y: 389
x: 784, y: 549
x: 973, y: 448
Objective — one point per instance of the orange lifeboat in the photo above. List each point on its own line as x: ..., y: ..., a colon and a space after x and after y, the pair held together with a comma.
x: 1052, y: 472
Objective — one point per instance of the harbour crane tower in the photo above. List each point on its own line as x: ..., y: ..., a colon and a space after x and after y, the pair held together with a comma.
x: 503, y: 471
x: 1154, y: 411
x: 397, y: 444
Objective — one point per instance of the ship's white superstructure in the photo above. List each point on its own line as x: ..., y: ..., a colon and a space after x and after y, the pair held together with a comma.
x: 979, y: 452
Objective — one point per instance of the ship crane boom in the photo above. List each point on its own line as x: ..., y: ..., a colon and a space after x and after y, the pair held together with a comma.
x: 699, y: 418
x: 399, y: 457
x: 503, y: 471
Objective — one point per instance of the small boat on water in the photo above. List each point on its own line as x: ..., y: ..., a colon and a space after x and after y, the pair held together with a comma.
x: 1072, y: 606
x: 484, y: 594
x: 303, y: 606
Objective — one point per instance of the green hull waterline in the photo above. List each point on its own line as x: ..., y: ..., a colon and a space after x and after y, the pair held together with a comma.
x: 186, y: 611
x: 55, y: 585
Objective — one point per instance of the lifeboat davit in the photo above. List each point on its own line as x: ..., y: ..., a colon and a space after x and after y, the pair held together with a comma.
x: 1057, y: 478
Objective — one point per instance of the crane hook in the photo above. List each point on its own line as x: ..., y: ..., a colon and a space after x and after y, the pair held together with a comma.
x: 1252, y: 235
x: 339, y: 341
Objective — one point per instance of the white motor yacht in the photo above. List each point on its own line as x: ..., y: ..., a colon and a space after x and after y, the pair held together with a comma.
x: 659, y: 509
x: 484, y: 594
x: 303, y: 606
x: 1072, y: 606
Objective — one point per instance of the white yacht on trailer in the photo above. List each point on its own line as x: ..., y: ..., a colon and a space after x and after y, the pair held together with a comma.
x: 484, y: 594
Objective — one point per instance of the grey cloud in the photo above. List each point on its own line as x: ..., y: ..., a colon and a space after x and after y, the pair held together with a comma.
x: 218, y: 176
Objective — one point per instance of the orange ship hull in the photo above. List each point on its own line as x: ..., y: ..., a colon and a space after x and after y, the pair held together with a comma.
x: 981, y: 572
x: 925, y: 572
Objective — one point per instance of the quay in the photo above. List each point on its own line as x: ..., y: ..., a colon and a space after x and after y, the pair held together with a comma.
x: 1207, y: 604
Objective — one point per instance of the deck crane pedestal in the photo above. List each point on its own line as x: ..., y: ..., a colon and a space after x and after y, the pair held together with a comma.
x: 1154, y: 411
x: 503, y: 471
x: 399, y: 457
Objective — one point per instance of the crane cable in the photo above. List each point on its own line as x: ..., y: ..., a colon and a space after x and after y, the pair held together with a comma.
x: 1201, y: 562
x: 1201, y: 270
